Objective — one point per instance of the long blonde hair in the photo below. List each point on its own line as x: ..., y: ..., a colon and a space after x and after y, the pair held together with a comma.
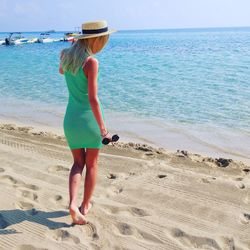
x: 72, y: 58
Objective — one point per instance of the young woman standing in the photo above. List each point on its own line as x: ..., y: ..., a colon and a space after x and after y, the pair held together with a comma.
x: 84, y: 121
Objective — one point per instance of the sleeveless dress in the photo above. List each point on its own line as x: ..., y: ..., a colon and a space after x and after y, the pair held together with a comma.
x: 81, y: 129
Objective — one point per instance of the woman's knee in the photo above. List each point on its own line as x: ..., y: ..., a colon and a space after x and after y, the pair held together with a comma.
x: 79, y: 157
x: 79, y: 163
x: 92, y: 158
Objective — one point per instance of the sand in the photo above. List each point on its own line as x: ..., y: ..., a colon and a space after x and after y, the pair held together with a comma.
x: 145, y: 198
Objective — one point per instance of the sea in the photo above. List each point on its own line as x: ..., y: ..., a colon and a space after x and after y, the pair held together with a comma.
x: 180, y: 89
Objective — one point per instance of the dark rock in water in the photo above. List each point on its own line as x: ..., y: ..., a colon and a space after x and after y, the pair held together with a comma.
x: 221, y: 162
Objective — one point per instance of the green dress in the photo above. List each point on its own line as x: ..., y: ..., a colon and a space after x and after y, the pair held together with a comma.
x: 81, y: 129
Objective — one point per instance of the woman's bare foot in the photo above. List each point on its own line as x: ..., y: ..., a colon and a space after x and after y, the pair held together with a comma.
x: 85, y: 209
x: 76, y: 215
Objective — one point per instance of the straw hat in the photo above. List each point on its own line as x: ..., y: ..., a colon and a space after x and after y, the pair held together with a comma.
x: 94, y: 29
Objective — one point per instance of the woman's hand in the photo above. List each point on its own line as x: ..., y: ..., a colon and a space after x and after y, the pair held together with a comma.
x: 106, y: 134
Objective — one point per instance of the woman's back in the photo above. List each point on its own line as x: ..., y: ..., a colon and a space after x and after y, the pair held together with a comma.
x: 78, y: 88
x: 80, y: 126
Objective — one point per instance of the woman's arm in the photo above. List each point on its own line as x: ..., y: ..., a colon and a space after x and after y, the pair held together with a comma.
x: 60, y: 67
x: 92, y: 71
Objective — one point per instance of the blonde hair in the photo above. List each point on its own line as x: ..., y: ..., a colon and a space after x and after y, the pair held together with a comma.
x: 72, y: 58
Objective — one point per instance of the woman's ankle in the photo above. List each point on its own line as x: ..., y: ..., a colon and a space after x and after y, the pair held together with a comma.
x: 72, y: 204
x: 85, y: 204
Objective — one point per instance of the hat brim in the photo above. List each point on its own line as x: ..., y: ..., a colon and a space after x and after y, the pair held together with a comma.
x: 95, y: 35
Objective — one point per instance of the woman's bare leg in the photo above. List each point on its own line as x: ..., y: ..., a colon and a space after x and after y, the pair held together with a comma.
x: 75, y: 177
x: 90, y: 178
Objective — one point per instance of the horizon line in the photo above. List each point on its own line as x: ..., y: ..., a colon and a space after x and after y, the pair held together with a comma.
x: 149, y: 29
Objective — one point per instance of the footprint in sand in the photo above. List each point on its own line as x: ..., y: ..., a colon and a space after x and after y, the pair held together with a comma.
x: 2, y: 170
x: 58, y: 168
x: 95, y: 246
x: 192, y: 241
x: 24, y: 205
x: 246, y: 170
x: 228, y: 243
x: 3, y: 222
x: 57, y: 199
x: 125, y: 229
x: 128, y: 230
x: 27, y: 207
x: 112, y: 190
x: 8, y: 179
x: 239, y: 179
x: 17, y: 183
x: 131, y: 173
x: 118, y: 190
x: 245, y: 218
x: 31, y: 186
x: 162, y: 176
x: 111, y: 176
x: 28, y: 247
x: 207, y: 179
x: 121, y: 176
x: 125, y: 210
x: 149, y: 237
x: 240, y: 185
x: 62, y: 236
x: 28, y: 195
x: 90, y: 230
x: 138, y: 212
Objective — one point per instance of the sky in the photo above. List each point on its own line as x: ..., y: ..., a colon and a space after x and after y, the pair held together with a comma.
x: 65, y: 15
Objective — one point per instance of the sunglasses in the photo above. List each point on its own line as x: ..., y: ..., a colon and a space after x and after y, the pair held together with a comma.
x: 106, y: 141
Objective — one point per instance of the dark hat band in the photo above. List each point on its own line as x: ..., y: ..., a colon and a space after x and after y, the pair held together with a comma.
x: 96, y: 31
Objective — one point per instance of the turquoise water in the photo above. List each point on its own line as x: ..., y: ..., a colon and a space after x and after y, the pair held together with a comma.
x: 185, y: 78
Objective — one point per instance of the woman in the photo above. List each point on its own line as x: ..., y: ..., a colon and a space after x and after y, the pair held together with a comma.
x: 84, y: 121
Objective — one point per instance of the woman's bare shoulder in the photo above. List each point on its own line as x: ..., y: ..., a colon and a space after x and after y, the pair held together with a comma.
x: 92, y: 61
x: 91, y: 64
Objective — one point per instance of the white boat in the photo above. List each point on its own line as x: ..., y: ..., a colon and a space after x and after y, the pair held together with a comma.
x: 15, y: 38
x: 21, y: 41
x: 48, y: 40
x: 44, y: 38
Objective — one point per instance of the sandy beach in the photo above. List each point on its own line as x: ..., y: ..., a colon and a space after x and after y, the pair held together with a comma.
x: 145, y: 198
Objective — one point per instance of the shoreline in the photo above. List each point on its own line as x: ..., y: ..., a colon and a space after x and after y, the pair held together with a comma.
x: 57, y: 134
x: 204, y: 139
